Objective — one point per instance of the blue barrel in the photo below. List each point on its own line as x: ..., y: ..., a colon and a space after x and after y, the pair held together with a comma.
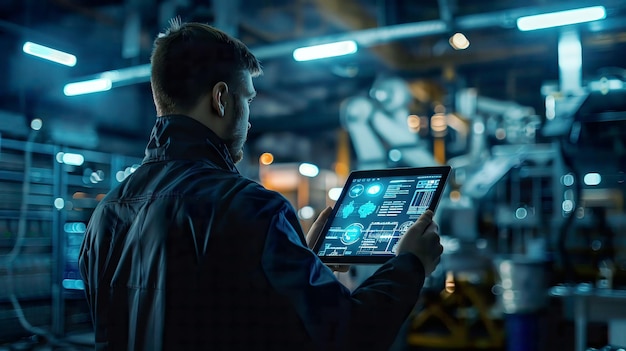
x: 522, y: 331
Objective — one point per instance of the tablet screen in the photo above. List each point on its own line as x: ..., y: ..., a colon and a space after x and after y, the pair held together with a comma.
x: 375, y: 209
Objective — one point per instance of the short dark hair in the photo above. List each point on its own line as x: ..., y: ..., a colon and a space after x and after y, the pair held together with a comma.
x: 190, y: 58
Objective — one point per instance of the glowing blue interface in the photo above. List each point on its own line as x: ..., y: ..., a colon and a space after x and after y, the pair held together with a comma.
x: 375, y: 213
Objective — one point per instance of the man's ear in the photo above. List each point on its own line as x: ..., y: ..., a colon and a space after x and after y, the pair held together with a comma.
x: 218, y: 98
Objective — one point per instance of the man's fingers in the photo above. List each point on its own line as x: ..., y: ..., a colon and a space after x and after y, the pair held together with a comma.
x: 427, y: 216
x: 432, y: 229
x: 432, y: 234
x: 325, y: 213
x: 317, y: 226
x: 423, y: 222
x: 339, y: 268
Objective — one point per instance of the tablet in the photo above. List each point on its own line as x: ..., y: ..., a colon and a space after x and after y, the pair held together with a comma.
x: 374, y: 210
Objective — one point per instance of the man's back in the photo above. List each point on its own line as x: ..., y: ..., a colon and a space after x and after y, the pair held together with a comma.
x: 177, y: 248
x: 188, y: 254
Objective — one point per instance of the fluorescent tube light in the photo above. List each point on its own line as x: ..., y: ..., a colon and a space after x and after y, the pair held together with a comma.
x: 325, y: 50
x: 72, y: 159
x: 49, y: 54
x: 73, y: 284
x: 128, y: 75
x: 592, y: 179
x: 74, y: 227
x: 561, y: 18
x: 87, y: 87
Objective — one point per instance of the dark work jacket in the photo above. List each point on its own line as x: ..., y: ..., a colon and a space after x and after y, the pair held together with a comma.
x: 187, y: 254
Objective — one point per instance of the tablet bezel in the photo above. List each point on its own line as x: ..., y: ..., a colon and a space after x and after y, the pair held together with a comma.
x: 444, y: 171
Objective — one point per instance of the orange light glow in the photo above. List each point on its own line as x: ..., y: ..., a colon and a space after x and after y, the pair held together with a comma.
x: 455, y: 195
x: 342, y: 169
x: 266, y: 158
x: 450, y: 285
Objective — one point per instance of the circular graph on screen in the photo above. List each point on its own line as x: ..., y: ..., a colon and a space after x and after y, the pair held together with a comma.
x: 405, y: 226
x: 356, y: 190
x: 352, y: 234
x: 375, y: 189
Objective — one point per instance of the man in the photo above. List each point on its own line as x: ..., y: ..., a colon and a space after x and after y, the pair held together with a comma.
x: 187, y: 254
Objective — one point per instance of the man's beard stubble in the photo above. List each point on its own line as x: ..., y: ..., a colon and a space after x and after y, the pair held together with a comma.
x: 237, y: 156
x: 237, y: 139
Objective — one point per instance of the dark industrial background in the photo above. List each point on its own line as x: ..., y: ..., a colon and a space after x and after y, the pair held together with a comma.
x: 533, y: 237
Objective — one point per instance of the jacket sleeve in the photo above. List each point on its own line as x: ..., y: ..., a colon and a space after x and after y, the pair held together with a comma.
x: 82, y: 266
x: 368, y: 318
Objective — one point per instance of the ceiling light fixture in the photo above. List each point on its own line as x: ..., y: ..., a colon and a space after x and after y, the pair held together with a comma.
x: 316, y: 52
x: 49, y: 54
x: 87, y: 87
x: 561, y: 18
x: 71, y: 159
x: 459, y: 41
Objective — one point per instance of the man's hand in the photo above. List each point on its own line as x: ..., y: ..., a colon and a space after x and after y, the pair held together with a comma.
x: 316, y: 230
x: 422, y: 240
x: 316, y: 227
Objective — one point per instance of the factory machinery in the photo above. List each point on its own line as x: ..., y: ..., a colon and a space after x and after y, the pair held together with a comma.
x: 534, y: 220
x: 47, y: 194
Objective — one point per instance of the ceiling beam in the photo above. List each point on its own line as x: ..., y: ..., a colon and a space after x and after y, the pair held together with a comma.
x: 226, y: 13
x: 373, y: 36
x: 88, y: 12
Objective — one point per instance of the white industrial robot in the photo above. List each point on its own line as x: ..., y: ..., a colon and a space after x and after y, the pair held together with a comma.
x: 377, y: 125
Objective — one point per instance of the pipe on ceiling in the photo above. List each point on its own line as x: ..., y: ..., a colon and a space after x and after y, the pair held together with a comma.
x: 372, y: 36
x: 227, y: 15
x: 99, y: 16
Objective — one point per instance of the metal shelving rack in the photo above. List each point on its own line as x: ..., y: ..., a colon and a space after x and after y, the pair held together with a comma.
x: 60, y: 200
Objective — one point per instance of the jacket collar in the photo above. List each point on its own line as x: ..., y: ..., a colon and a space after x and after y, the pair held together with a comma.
x: 179, y: 137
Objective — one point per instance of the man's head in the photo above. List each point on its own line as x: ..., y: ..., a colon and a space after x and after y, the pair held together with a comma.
x: 202, y: 72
